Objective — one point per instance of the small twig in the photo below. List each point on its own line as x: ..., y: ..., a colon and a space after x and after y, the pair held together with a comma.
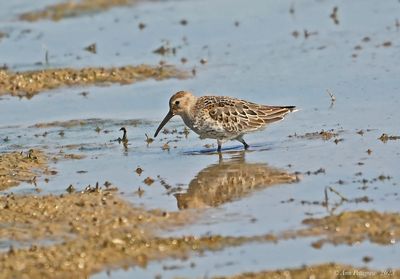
x: 333, y: 98
x: 337, y: 193
x: 46, y: 54
x: 334, y: 15
x: 326, y: 197
x: 326, y: 202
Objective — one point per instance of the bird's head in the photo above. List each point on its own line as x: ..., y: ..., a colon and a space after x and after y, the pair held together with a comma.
x: 179, y: 104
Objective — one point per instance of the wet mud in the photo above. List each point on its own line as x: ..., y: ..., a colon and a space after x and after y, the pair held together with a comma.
x: 90, y: 122
x: 73, y: 9
x: 352, y: 227
x: 173, y: 198
x: 100, y: 230
x: 323, y: 271
x: 27, y: 84
x: 17, y: 167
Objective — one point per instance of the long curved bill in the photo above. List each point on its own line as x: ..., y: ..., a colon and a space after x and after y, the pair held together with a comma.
x: 165, y: 120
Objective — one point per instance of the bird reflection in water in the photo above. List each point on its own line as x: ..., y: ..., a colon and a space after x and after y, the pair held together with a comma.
x: 230, y: 180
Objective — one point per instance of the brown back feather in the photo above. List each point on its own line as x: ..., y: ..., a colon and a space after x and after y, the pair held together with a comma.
x: 240, y: 115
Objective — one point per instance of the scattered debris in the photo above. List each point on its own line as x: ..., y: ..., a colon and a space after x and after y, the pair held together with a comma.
x: 336, y: 141
x: 84, y: 94
x: 385, y: 138
x: 148, y: 181
x: 367, y: 259
x: 139, y: 192
x: 164, y: 50
x: 318, y: 171
x: 16, y: 167
x: 91, y: 48
x: 165, y: 146
x: 324, y: 135
x: 366, y: 39
x: 186, y: 131
x: 148, y: 139
x: 308, y: 34
x: 203, y: 61
x: 333, y: 98
x: 70, y: 189
x: 139, y: 170
x: 74, y: 156
x: 334, y: 15
x: 141, y: 25
x: 387, y: 44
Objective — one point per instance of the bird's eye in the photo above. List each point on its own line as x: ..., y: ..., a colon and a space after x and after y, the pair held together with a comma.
x: 176, y: 102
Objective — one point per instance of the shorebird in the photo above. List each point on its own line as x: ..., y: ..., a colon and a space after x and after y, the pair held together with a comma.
x: 222, y: 118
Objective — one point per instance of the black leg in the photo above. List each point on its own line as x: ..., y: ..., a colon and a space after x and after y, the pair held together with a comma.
x: 240, y: 139
x: 219, y: 145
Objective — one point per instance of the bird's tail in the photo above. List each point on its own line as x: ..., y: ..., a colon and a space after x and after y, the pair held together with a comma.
x: 276, y: 113
x: 291, y: 108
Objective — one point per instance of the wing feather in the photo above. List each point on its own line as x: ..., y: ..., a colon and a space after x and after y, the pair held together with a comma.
x: 236, y: 115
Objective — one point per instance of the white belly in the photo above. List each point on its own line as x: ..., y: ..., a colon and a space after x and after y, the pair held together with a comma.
x: 209, y: 129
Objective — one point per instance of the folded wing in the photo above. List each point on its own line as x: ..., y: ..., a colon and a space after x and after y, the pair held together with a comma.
x: 241, y: 116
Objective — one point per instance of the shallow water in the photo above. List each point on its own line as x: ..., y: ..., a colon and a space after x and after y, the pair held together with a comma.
x: 258, y: 60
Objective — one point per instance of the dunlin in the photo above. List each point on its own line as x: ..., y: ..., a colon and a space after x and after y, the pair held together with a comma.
x: 222, y: 118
